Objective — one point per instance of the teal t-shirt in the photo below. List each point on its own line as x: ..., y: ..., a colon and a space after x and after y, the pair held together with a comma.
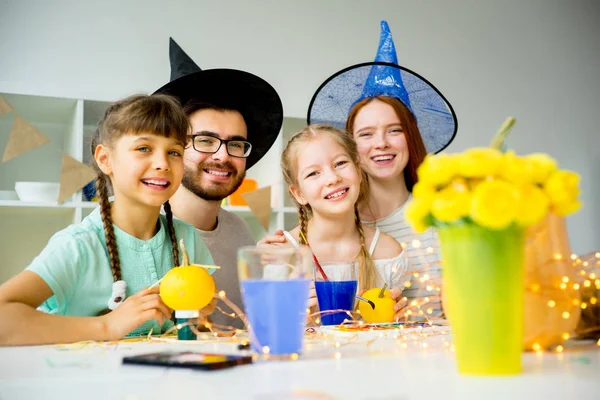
x: 75, y: 264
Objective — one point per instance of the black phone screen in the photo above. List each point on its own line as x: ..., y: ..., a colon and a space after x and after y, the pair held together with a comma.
x: 188, y: 359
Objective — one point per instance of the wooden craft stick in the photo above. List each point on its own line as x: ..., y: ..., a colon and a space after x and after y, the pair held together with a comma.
x: 207, y: 266
x: 186, y: 258
x: 155, y: 283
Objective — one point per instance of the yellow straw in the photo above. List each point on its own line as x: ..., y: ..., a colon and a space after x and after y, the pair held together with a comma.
x: 303, y: 237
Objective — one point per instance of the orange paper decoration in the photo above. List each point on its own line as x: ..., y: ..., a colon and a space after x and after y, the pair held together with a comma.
x: 248, y: 185
x: 552, y: 294
x: 589, y: 269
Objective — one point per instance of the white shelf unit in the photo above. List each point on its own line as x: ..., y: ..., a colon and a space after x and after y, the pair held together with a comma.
x: 25, y: 227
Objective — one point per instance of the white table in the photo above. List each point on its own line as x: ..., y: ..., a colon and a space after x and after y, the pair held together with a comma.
x: 385, y: 370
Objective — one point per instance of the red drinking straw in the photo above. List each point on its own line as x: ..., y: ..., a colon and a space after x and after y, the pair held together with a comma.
x: 315, y: 258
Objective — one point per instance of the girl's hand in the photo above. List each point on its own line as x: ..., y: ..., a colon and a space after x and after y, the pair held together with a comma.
x: 207, y: 310
x: 401, y: 303
x: 275, y: 239
x: 143, y: 306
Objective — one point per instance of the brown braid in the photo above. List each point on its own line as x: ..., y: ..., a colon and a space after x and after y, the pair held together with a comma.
x: 109, y: 233
x: 366, y: 266
x: 169, y: 215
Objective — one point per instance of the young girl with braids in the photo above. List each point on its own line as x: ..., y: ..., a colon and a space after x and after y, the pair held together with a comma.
x: 91, y: 281
x: 321, y: 167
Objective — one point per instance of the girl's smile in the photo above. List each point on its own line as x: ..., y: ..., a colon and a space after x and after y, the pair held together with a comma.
x: 383, y: 159
x: 158, y: 184
x: 338, y: 194
x: 380, y: 140
x: 328, y: 179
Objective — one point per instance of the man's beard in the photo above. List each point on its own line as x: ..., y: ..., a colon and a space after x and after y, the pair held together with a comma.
x: 215, y: 191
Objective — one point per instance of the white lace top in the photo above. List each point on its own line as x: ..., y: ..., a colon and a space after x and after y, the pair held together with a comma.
x: 393, y: 271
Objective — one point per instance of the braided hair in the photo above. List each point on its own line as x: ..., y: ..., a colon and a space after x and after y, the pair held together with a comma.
x: 159, y: 114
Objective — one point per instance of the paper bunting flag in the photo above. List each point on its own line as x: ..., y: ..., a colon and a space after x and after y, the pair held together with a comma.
x: 23, y: 138
x: 259, y: 202
x: 4, y: 106
x: 73, y: 176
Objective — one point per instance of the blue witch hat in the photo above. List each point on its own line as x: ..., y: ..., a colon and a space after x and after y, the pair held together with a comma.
x: 384, y: 80
x: 335, y: 98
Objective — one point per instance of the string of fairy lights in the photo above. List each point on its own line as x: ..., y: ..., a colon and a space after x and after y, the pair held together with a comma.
x: 420, y: 324
x: 420, y: 328
x: 572, y: 289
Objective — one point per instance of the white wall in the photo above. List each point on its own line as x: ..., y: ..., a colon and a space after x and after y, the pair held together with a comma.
x: 536, y: 60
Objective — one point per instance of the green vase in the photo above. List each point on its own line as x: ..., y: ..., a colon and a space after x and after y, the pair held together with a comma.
x: 483, y: 296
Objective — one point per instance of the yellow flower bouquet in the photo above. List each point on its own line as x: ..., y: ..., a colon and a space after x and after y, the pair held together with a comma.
x: 492, y: 189
x: 481, y: 201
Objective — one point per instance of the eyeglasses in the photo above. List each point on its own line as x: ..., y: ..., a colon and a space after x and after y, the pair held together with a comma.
x: 211, y: 144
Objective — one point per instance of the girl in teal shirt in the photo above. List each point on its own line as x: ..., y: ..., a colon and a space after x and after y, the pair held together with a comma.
x: 91, y: 280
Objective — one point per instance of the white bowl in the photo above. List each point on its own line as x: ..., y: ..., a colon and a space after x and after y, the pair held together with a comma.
x: 8, y: 195
x: 37, y: 191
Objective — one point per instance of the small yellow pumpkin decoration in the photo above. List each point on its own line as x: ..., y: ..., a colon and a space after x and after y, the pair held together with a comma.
x: 187, y: 287
x: 384, y: 306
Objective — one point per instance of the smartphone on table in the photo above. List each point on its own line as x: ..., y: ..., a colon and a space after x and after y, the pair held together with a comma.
x: 188, y: 359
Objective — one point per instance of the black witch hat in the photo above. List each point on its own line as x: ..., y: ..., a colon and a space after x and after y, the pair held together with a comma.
x: 232, y: 89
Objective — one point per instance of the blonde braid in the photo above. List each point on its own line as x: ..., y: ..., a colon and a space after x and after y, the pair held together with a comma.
x: 366, y: 266
x: 303, y: 219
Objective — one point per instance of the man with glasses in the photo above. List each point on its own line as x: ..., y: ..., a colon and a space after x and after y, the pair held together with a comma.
x: 235, y: 118
x: 215, y: 159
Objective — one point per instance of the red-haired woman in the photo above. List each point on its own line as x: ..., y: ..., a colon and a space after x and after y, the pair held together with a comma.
x: 396, y: 117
